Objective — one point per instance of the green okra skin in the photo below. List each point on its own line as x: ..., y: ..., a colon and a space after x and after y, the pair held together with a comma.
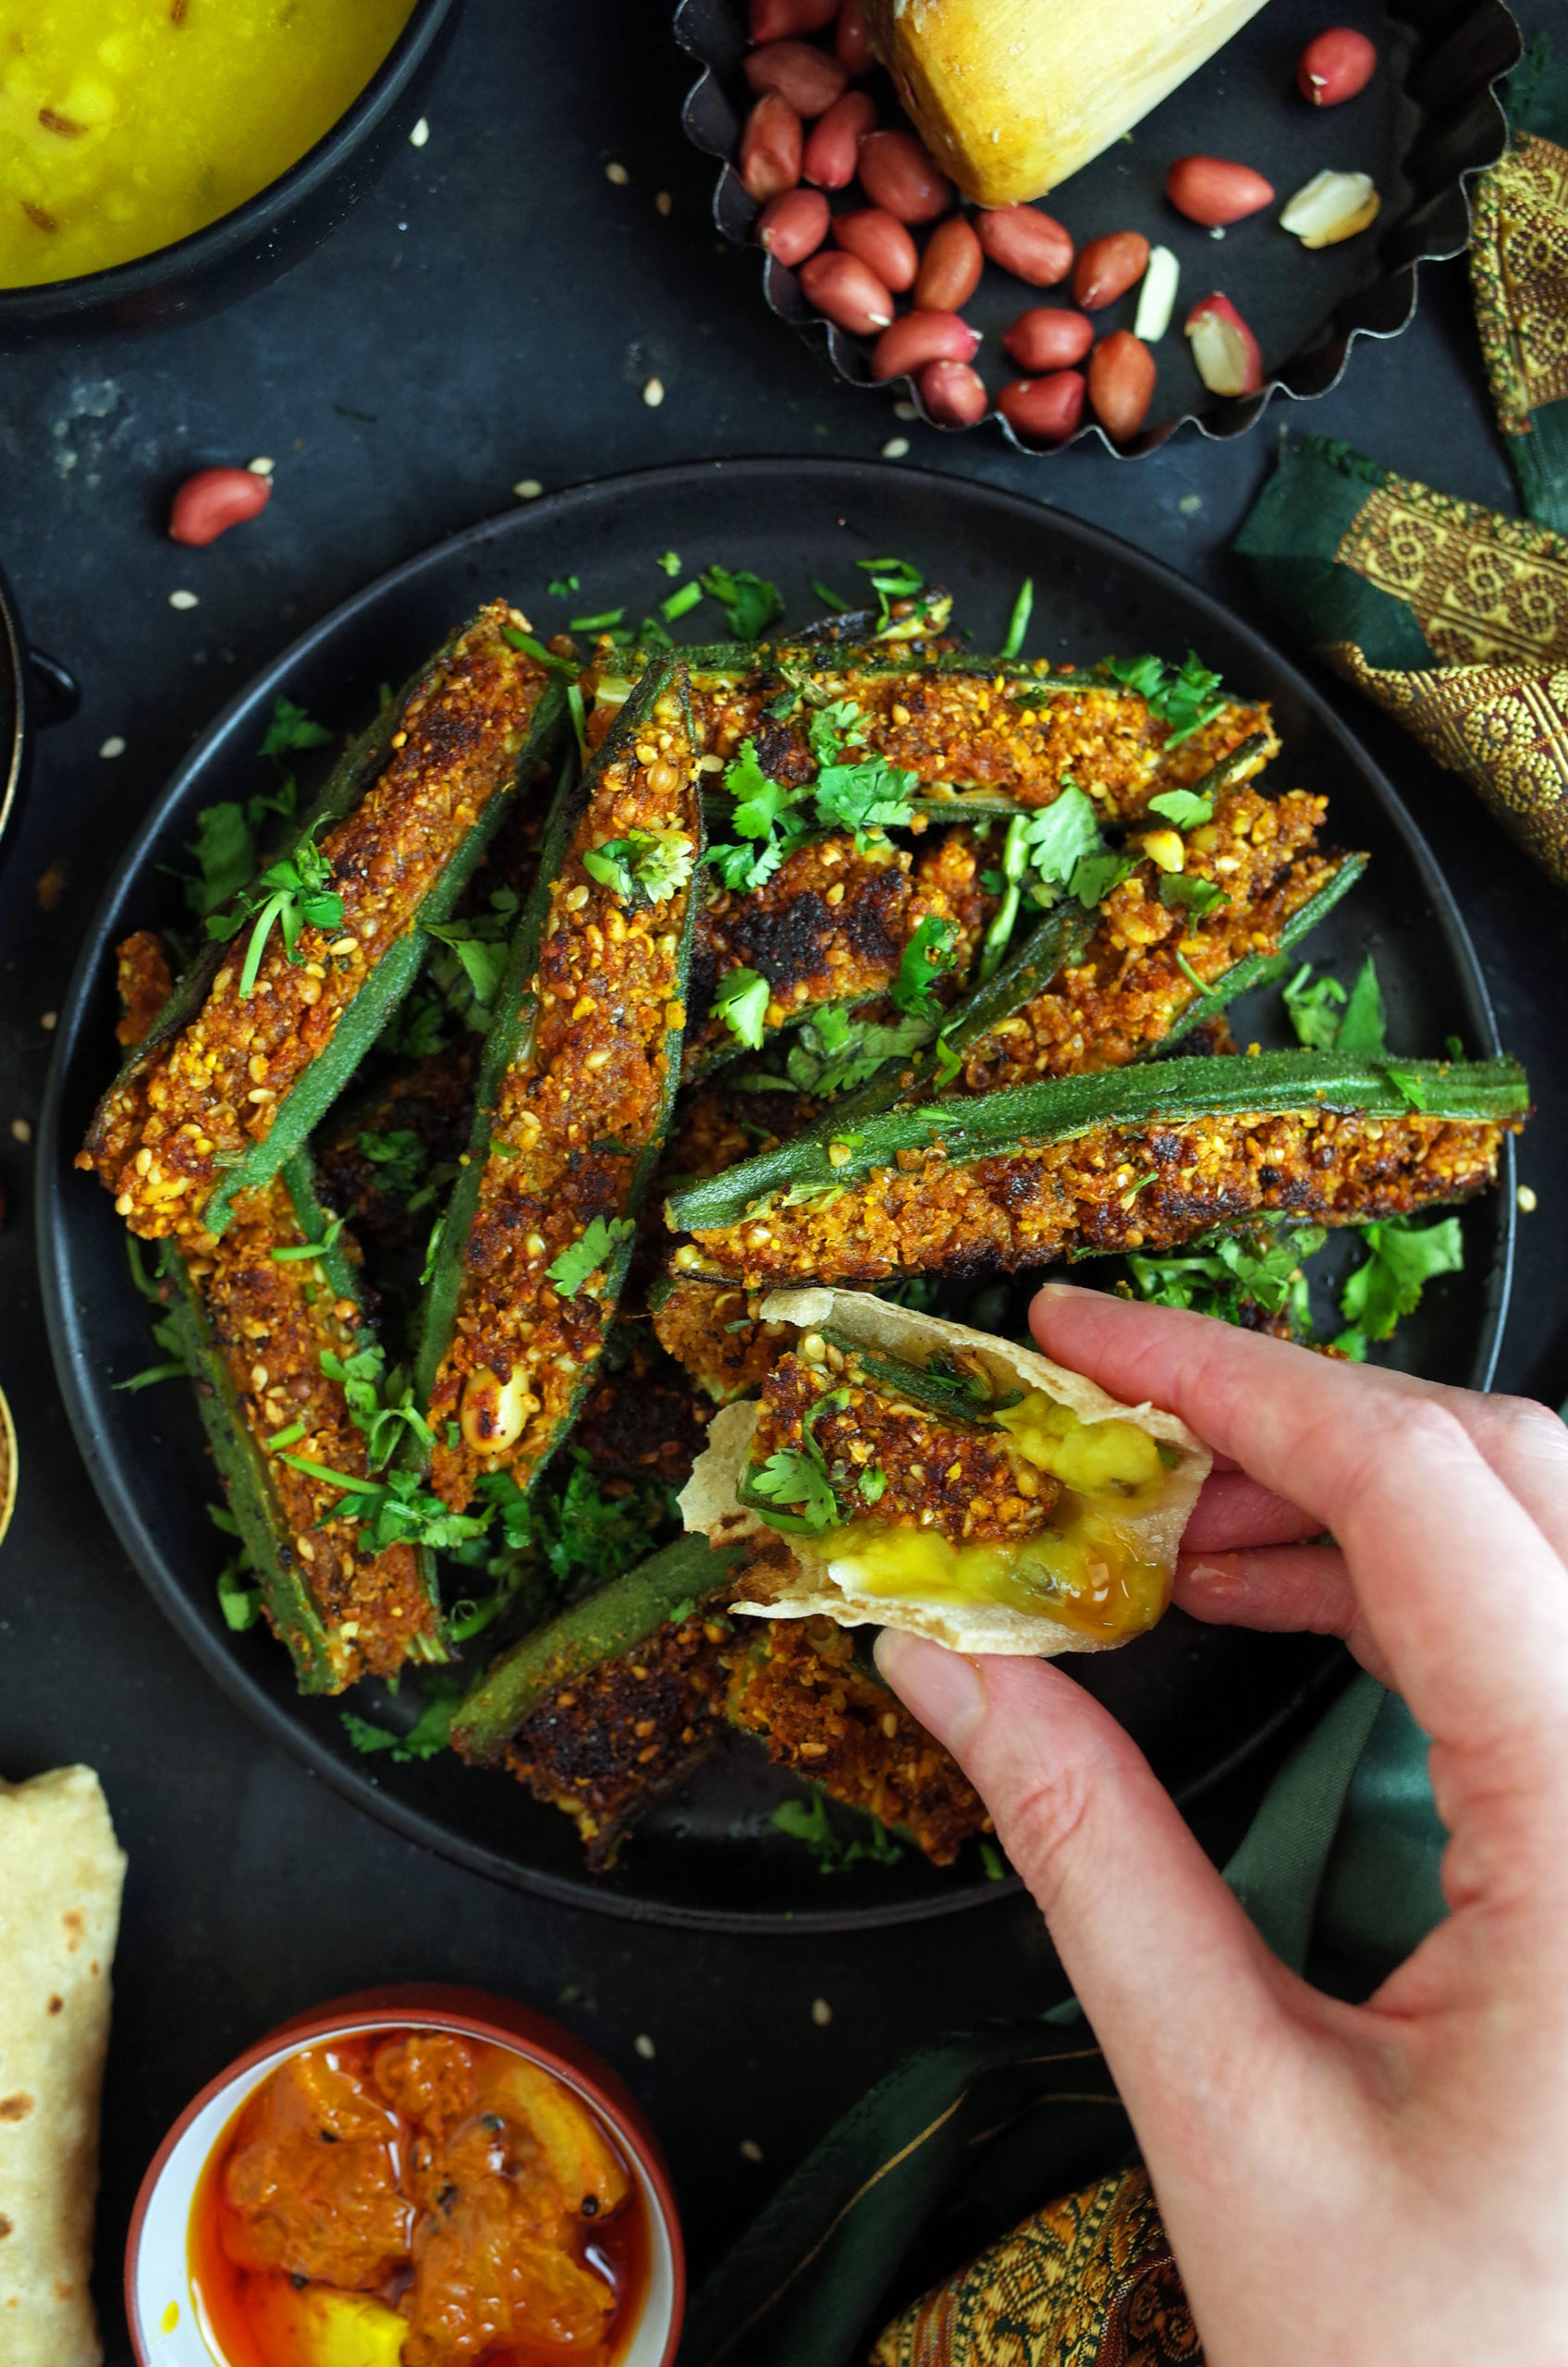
x: 320, y: 1658
x: 996, y: 1124
x: 601, y: 1627
x: 1257, y: 969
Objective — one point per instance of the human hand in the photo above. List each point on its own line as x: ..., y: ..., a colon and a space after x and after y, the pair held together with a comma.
x: 1382, y: 2183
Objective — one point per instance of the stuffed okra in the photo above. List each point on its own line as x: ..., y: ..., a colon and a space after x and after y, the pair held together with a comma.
x: 578, y: 1079
x: 255, y: 1045
x: 260, y: 1311
x: 1141, y: 1158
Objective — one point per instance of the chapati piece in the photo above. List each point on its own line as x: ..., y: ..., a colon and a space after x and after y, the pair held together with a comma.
x: 1085, y: 1571
x: 61, y: 1873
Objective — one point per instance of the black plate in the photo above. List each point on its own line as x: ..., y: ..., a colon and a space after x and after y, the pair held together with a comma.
x: 1194, y: 1697
x: 1428, y: 118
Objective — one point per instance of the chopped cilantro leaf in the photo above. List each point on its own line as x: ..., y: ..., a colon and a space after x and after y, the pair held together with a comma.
x: 430, y: 1734
x: 873, y: 795
x: 560, y: 585
x: 1226, y: 1273
x: 1180, y: 806
x: 809, y: 1823
x: 1362, y: 1029
x: 481, y: 959
x: 792, y: 1477
x: 670, y: 562
x: 835, y: 726
x: 1180, y: 890
x: 873, y: 1485
x: 1186, y: 698
x: 1408, y: 1086
x: 1402, y: 1258
x: 740, y: 1000
x: 225, y: 849
x: 1359, y: 1027
x: 291, y: 894
x: 929, y: 955
x: 655, y: 862
x: 398, y: 1156
x: 292, y: 728
x: 1062, y: 836
x: 592, y: 1249
x: 1094, y: 878
x: 749, y: 601
x: 241, y: 1603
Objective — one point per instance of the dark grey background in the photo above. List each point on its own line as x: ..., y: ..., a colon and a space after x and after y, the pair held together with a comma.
x: 492, y: 314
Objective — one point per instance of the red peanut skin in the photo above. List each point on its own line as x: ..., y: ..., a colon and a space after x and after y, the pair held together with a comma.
x: 1046, y: 410
x: 782, y: 19
x: 846, y: 291
x: 882, y: 242
x: 793, y: 226
x: 770, y: 147
x: 851, y: 40
x: 800, y: 72
x: 953, y: 394
x: 1025, y: 242
x: 1335, y: 67
x: 950, y: 268
x: 1107, y: 267
x: 833, y: 150
x: 1048, y: 337
x: 921, y: 337
x: 1213, y: 190
x: 897, y: 174
x: 1122, y: 376
x: 1224, y: 310
x: 208, y: 504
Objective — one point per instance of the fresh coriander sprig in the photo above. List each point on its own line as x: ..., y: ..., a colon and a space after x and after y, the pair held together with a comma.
x: 589, y: 1253
x: 931, y: 953
x: 1186, y: 697
x: 655, y: 863
x: 291, y: 895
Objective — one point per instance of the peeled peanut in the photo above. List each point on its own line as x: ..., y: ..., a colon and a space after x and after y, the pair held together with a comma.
x: 1025, y: 242
x: 208, y: 504
x: 793, y: 226
x: 920, y: 338
x: 770, y: 147
x: 1335, y: 67
x: 897, y: 174
x: 1122, y: 376
x: 781, y: 20
x: 950, y: 268
x: 880, y: 241
x: 800, y: 72
x: 846, y: 291
x: 851, y: 40
x: 1046, y: 410
x: 1046, y: 338
x: 1107, y: 267
x: 1212, y: 190
x: 953, y: 394
x: 833, y: 150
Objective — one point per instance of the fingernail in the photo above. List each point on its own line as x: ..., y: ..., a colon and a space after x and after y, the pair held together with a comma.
x: 942, y: 1688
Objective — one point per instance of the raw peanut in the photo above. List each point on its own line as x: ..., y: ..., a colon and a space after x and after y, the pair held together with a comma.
x: 1027, y: 243
x: 920, y: 338
x: 834, y: 146
x: 851, y: 40
x: 1048, y: 410
x: 804, y: 75
x: 793, y: 226
x: 953, y: 394
x: 950, y: 268
x: 781, y: 20
x: 1122, y: 375
x: 208, y: 504
x: 846, y: 291
x: 1107, y: 267
x: 1335, y: 67
x: 1333, y: 206
x: 1045, y: 339
x: 882, y: 242
x: 1212, y: 190
x: 1224, y: 347
x: 770, y: 147
x: 896, y: 173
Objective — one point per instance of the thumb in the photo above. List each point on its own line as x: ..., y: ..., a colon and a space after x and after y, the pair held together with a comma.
x: 1165, y: 1963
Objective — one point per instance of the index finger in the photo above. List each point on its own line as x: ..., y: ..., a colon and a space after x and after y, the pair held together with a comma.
x: 1464, y: 1595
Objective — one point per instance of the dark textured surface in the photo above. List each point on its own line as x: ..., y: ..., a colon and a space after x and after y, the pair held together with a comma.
x: 492, y: 314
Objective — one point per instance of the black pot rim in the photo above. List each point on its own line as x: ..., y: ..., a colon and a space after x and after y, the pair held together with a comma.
x: 52, y: 302
x: 54, y: 1176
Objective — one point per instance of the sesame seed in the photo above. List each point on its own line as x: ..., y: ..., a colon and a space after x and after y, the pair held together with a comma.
x: 653, y: 393
x: 20, y: 1131
x: 663, y: 202
x: 529, y: 490
x: 1526, y: 1200
x: 616, y: 174
x: 644, y: 2046
x: 895, y: 447
x: 182, y: 600
x: 49, y: 1021
x: 420, y: 133
x: 261, y: 467
x: 113, y: 746
x: 821, y: 2012
x: 905, y: 410
x: 749, y: 2150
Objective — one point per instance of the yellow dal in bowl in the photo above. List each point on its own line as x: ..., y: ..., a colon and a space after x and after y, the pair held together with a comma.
x: 127, y: 123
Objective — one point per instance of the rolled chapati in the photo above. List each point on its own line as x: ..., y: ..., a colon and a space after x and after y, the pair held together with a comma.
x: 61, y: 1872
x: 928, y: 1476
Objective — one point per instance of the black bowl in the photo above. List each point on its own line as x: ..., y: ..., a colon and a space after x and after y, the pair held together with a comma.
x: 264, y: 237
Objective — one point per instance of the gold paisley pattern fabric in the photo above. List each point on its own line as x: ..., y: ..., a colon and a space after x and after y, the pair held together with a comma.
x: 1087, y: 2282
x: 1519, y: 278
x: 1504, y: 728
x: 1482, y: 588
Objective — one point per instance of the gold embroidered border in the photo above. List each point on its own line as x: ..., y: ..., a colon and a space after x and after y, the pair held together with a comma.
x: 1519, y: 278
x: 1482, y: 588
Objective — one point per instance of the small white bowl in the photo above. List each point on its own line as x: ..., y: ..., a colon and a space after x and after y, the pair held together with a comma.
x: 166, y: 2328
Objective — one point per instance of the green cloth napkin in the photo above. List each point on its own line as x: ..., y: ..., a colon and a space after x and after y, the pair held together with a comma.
x: 956, y: 2145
